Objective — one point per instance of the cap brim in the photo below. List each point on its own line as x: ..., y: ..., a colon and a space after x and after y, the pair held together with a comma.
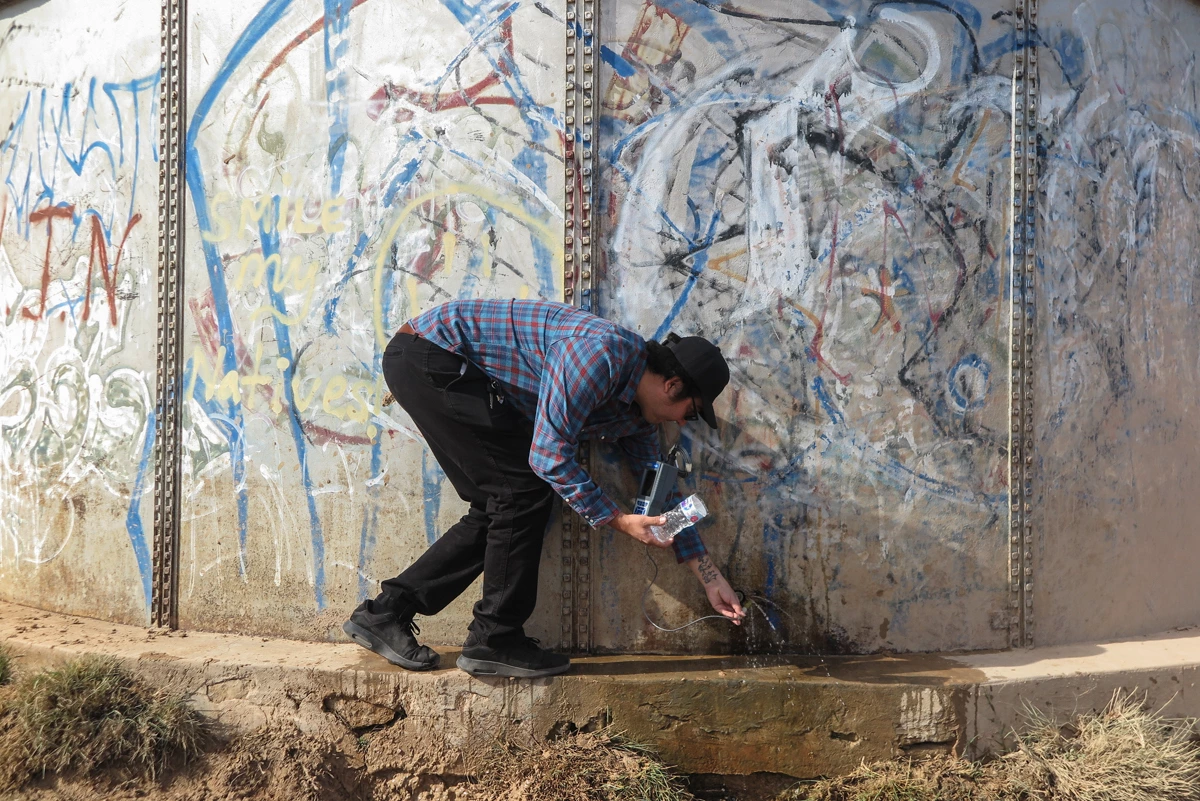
x: 707, y: 414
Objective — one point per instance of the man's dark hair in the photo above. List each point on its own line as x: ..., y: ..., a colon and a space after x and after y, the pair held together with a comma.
x: 661, y: 360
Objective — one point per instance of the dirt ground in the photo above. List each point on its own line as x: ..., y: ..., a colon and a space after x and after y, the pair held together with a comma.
x: 284, y: 765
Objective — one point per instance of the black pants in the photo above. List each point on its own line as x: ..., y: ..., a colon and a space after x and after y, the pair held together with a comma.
x: 482, y: 444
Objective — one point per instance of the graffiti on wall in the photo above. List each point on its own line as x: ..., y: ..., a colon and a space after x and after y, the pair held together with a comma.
x: 822, y: 188
x: 343, y: 180
x: 77, y: 268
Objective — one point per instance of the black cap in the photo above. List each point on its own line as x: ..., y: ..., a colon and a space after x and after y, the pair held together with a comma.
x: 704, y: 369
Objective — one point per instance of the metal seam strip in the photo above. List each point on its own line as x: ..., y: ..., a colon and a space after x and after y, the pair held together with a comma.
x: 1024, y: 253
x: 168, y: 418
x: 582, y: 20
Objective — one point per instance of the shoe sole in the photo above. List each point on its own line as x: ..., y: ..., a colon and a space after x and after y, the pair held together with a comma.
x: 372, y: 643
x: 483, y: 668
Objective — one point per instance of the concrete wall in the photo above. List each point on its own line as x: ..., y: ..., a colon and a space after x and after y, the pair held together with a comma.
x: 78, y: 267
x: 822, y: 188
x: 1117, y: 438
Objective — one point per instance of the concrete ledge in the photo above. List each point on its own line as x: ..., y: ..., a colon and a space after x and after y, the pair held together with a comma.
x: 794, y: 715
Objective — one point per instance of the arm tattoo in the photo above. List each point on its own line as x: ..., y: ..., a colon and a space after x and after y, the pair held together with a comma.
x: 708, y: 571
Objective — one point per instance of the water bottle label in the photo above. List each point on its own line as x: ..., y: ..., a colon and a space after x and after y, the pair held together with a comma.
x: 688, y: 508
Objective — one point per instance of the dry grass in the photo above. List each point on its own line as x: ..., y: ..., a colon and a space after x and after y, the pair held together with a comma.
x: 936, y: 779
x: 597, y: 766
x: 1123, y: 753
x: 88, y: 715
x: 6, y: 666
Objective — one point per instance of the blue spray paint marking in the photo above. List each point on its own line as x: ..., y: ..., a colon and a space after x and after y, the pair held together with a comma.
x: 21, y: 209
x: 70, y: 303
x: 135, y: 87
x: 331, y: 306
x: 266, y: 18
x: 476, y: 39
x: 283, y: 343
x: 902, y: 279
x: 535, y: 168
x: 401, y: 181
x: 1072, y: 55
x: 970, y: 365
x: 87, y: 141
x: 700, y: 260
x: 827, y: 404
x: 471, y: 280
x: 337, y: 47
x: 619, y: 64
x: 775, y: 543
x: 133, y: 518
x: 76, y: 164
x: 431, y: 484
x: 1002, y: 46
x: 366, y: 539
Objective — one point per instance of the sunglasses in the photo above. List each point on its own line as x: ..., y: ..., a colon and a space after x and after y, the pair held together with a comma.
x: 694, y: 414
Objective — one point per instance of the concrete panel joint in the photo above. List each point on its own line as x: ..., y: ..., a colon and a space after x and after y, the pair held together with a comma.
x: 579, y: 252
x: 1024, y: 252
x: 171, y: 205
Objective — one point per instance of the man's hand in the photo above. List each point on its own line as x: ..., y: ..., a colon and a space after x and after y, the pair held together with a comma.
x: 722, y: 597
x: 638, y: 527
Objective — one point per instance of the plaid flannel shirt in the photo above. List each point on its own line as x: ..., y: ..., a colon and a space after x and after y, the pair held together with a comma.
x: 574, y: 375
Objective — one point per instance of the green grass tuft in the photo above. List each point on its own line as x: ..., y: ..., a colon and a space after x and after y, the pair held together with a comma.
x: 650, y: 780
x: 90, y: 714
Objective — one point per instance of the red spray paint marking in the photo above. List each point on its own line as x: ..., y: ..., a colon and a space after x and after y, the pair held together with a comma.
x: 832, y: 96
x: 432, y: 261
x: 322, y: 435
x: 134, y: 220
x: 436, y: 101
x: 110, y: 279
x: 469, y: 96
x: 204, y: 312
x: 885, y: 310
x: 643, y: 42
x: 47, y: 214
x: 814, y: 349
x: 3, y: 215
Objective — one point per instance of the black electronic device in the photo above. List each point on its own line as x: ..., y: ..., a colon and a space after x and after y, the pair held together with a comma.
x: 658, y: 482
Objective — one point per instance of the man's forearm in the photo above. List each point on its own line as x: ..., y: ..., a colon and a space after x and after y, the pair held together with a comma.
x: 704, y: 569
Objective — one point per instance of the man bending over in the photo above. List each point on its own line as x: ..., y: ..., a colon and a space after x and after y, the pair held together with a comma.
x: 502, y: 391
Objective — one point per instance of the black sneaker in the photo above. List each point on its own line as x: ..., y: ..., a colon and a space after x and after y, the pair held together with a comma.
x: 391, y: 637
x: 524, y: 660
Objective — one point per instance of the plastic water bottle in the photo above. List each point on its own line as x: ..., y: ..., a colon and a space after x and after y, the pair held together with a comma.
x: 691, y: 511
